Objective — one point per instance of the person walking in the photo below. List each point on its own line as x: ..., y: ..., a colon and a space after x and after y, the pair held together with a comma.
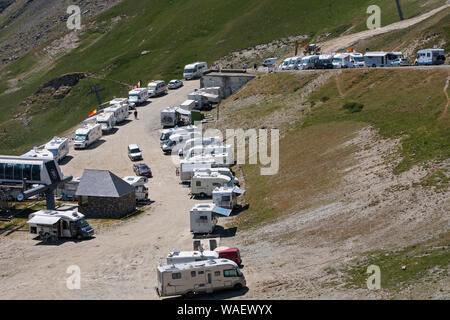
x: 135, y: 114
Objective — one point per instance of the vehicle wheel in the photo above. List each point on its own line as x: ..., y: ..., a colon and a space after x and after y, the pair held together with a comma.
x: 203, y: 195
x: 79, y: 237
x: 238, y: 286
x: 374, y: 66
x: 189, y: 295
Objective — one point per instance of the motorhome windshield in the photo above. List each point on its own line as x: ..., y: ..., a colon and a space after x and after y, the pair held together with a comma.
x: 337, y: 60
x: 189, y: 70
x: 164, y: 136
x: 152, y: 87
x: 80, y: 137
x: 82, y: 223
x: 134, y: 97
x: 359, y: 59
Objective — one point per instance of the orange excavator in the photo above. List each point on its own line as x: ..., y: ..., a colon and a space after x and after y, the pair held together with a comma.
x: 309, y: 48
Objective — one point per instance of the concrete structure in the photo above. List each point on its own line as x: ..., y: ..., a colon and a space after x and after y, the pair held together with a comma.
x: 101, y: 194
x: 228, y: 82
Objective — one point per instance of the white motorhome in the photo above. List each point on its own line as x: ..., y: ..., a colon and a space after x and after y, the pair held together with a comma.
x: 226, y: 197
x: 270, y: 62
x: 121, y: 101
x: 59, y: 224
x: 429, y: 57
x: 294, y: 63
x: 179, y: 257
x: 220, y: 159
x: 188, y: 105
x: 194, y: 70
x: 341, y: 61
x: 199, y: 141
x: 309, y: 62
x: 139, y: 185
x: 67, y: 191
x: 59, y: 147
x: 204, y: 217
x: 358, y: 59
x: 138, y: 96
x: 217, y: 91
x: 87, y: 135
x: 285, y: 64
x: 198, y: 277
x: 107, y: 121
x: 38, y: 153
x: 165, y: 134
x: 157, y: 88
x: 172, y: 116
x: 223, y: 171
x: 176, y: 141
x: 381, y: 59
x: 119, y: 110
x: 187, y: 167
x: 208, y: 149
x: 201, y: 100
x: 203, y: 184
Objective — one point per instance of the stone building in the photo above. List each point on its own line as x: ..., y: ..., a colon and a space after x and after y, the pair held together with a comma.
x: 103, y: 195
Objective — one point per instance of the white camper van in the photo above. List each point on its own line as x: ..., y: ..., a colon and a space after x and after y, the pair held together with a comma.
x: 285, y: 64
x: 67, y: 191
x: 157, y: 88
x: 139, y: 185
x: 341, y: 61
x: 107, y: 121
x: 429, y: 57
x: 179, y: 257
x: 198, y: 277
x: 87, y: 135
x: 59, y: 224
x: 309, y: 62
x: 294, y: 63
x: 138, y: 96
x: 187, y: 167
x: 119, y: 110
x: 121, y: 101
x: 166, y: 133
x: 199, y: 141
x: 59, y: 147
x: 176, y: 141
x: 203, y: 184
x: 194, y: 70
x: 223, y: 171
x: 171, y: 117
x: 220, y: 159
x: 381, y: 59
x: 358, y: 60
x: 38, y: 153
x: 226, y: 197
x: 208, y: 149
x: 188, y: 105
x: 201, y: 100
x: 204, y: 217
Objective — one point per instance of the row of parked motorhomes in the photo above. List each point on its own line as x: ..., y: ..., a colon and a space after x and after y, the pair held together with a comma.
x: 358, y: 60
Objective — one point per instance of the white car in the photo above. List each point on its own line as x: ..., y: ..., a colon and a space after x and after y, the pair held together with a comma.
x: 175, y: 84
x: 134, y: 153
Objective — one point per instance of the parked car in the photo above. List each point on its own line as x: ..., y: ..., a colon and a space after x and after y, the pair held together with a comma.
x: 175, y: 84
x: 142, y: 170
x: 400, y: 62
x: 134, y: 153
x: 270, y: 63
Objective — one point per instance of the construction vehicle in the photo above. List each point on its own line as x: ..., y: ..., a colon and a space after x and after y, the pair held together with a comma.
x: 309, y: 49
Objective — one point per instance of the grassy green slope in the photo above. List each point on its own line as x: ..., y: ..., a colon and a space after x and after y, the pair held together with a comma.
x: 175, y: 32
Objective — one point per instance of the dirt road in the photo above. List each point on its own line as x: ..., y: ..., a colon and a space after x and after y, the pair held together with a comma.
x: 118, y: 263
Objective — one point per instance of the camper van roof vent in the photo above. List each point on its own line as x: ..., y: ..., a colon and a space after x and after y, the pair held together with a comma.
x: 75, y: 214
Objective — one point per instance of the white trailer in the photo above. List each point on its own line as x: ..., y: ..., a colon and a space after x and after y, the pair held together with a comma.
x: 139, y: 185
x: 38, y: 153
x: 223, y: 171
x: 167, y: 133
x: 50, y: 224
x: 174, y: 116
x: 429, y: 57
x: 59, y: 147
x: 204, y: 217
x: 138, y: 96
x: 199, y: 141
x: 203, y: 184
x: 119, y: 110
x: 211, y: 90
x: 121, y: 101
x: 107, y: 121
x: 187, y: 168
x: 179, y: 257
x: 198, y: 277
x: 211, y: 150
x: 87, y: 135
x: 226, y: 197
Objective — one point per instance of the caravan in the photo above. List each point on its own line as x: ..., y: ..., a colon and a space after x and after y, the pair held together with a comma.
x: 107, y: 121
x: 157, y: 88
x: 141, y: 191
x: 204, y: 217
x: 203, y: 184
x: 59, y: 224
x: 198, y: 277
x: 429, y: 57
x: 87, y: 135
x: 188, y: 167
x: 226, y: 197
x: 138, y: 96
x: 58, y: 147
x: 223, y: 171
x: 208, y: 149
x: 119, y: 110
x: 194, y: 70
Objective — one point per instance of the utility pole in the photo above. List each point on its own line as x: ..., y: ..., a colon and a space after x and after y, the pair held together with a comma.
x: 96, y: 90
x: 399, y: 8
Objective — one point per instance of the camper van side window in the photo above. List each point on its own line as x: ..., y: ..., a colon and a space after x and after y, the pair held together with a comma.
x: 229, y: 273
x: 201, y: 272
x: 226, y: 198
x: 193, y: 274
x: 176, y: 275
x: 198, y: 183
x: 217, y: 274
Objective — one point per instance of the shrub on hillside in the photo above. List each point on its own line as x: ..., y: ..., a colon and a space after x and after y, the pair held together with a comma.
x: 353, y: 107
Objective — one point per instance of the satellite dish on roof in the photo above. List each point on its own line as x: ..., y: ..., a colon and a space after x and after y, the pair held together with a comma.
x: 20, y: 197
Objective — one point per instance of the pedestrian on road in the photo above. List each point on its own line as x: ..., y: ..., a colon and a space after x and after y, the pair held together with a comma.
x: 135, y: 114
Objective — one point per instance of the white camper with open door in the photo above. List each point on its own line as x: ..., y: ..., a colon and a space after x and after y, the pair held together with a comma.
x: 204, y: 217
x: 203, y: 184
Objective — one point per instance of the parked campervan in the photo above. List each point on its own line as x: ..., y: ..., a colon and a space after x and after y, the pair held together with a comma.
x: 222, y: 159
x: 119, y: 110
x: 157, y: 88
x: 67, y: 191
x: 358, y: 60
x: 199, y: 141
x: 165, y: 134
x: 381, y: 59
x: 59, y: 224
x: 285, y: 64
x: 176, y: 141
x: 226, y: 197
x: 121, y: 101
x: 204, y: 217
x: 194, y: 70
x: 188, y: 105
x: 59, y: 147
x: 173, y: 116
x: 179, y: 257
x: 107, y: 121
x: 37, y: 152
x: 138, y: 96
x: 141, y: 191
x: 270, y: 62
x: 198, y: 277
x: 208, y: 149
x: 223, y: 171
x: 430, y: 57
x: 294, y: 63
x: 203, y: 184
x: 325, y: 62
x: 201, y: 100
x: 87, y: 135
x: 187, y: 167
x: 309, y: 62
x: 341, y: 61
